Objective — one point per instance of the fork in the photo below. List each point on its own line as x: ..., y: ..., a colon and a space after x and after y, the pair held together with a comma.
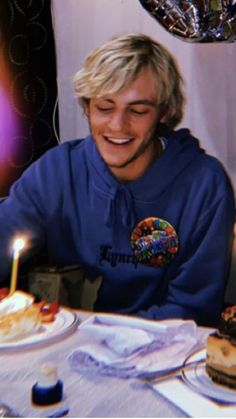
x: 170, y: 374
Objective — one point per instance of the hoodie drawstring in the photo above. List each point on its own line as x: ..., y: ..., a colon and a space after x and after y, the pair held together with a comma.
x: 120, y: 200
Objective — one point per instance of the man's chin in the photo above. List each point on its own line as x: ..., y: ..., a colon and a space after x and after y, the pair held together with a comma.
x: 117, y: 166
x: 115, y: 163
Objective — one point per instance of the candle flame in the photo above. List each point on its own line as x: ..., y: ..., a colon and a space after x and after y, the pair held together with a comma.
x: 18, y: 245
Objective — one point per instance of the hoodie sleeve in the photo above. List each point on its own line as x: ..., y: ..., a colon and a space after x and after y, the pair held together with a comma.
x: 21, y: 215
x: 26, y: 211
x: 196, y: 283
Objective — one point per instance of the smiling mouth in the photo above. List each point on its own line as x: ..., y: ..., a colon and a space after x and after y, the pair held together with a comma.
x: 118, y: 141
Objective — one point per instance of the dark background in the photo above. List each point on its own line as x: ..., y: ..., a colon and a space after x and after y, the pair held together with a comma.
x: 28, y: 80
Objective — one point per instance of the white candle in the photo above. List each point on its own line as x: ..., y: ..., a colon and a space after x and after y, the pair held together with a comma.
x: 17, y: 247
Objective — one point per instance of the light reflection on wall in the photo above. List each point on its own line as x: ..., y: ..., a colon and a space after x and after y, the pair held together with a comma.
x: 28, y: 87
x: 10, y: 128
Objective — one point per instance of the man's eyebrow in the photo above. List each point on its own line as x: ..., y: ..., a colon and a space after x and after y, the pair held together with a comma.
x: 134, y: 102
x: 143, y: 102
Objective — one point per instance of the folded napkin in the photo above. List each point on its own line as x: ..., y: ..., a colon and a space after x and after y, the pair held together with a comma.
x: 130, y: 347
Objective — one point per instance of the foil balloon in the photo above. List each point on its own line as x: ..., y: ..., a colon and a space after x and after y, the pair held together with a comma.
x: 196, y: 21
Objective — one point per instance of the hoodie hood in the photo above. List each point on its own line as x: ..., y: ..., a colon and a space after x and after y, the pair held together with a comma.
x: 181, y: 148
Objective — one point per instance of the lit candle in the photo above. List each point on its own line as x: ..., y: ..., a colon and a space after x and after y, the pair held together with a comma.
x: 17, y: 247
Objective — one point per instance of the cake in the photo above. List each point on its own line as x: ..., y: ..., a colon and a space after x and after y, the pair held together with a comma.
x: 19, y: 316
x: 221, y: 350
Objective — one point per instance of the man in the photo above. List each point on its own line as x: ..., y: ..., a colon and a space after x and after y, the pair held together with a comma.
x: 136, y: 202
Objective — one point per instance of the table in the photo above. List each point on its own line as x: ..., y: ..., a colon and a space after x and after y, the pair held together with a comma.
x: 85, y: 395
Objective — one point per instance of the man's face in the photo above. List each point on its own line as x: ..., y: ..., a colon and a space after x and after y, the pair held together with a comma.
x: 123, y: 126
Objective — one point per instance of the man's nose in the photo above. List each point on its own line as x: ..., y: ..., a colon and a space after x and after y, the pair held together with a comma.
x: 118, y: 121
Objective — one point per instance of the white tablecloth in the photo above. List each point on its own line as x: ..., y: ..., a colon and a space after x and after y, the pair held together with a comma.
x: 85, y: 395
x: 193, y: 404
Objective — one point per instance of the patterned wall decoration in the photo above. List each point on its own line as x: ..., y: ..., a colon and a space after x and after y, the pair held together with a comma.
x: 28, y: 86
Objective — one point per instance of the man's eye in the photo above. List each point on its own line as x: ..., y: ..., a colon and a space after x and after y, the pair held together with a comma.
x: 103, y: 109
x: 139, y: 112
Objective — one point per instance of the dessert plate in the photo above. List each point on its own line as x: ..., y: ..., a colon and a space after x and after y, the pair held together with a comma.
x: 198, y: 380
x: 65, y: 323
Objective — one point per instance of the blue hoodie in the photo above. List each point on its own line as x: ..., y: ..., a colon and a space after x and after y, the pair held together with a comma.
x: 70, y: 202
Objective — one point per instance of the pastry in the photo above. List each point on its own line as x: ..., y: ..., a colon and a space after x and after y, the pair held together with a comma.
x: 19, y: 317
x: 221, y: 350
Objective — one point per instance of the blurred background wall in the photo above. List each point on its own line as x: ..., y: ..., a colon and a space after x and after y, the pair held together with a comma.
x: 208, y: 70
x: 28, y: 86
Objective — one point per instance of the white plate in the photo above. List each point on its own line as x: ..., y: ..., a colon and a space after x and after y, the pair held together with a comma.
x: 65, y: 323
x: 197, y: 379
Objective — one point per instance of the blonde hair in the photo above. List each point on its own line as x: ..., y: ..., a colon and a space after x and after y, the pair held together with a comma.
x: 117, y: 63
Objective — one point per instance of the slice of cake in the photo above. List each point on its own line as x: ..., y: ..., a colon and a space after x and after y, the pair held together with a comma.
x: 19, y: 317
x: 15, y: 302
x: 221, y: 350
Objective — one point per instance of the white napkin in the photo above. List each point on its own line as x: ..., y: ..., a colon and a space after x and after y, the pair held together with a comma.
x: 130, y: 347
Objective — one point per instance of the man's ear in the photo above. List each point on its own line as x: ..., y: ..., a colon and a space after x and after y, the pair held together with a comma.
x: 86, y: 109
x: 163, y: 115
x: 163, y: 118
